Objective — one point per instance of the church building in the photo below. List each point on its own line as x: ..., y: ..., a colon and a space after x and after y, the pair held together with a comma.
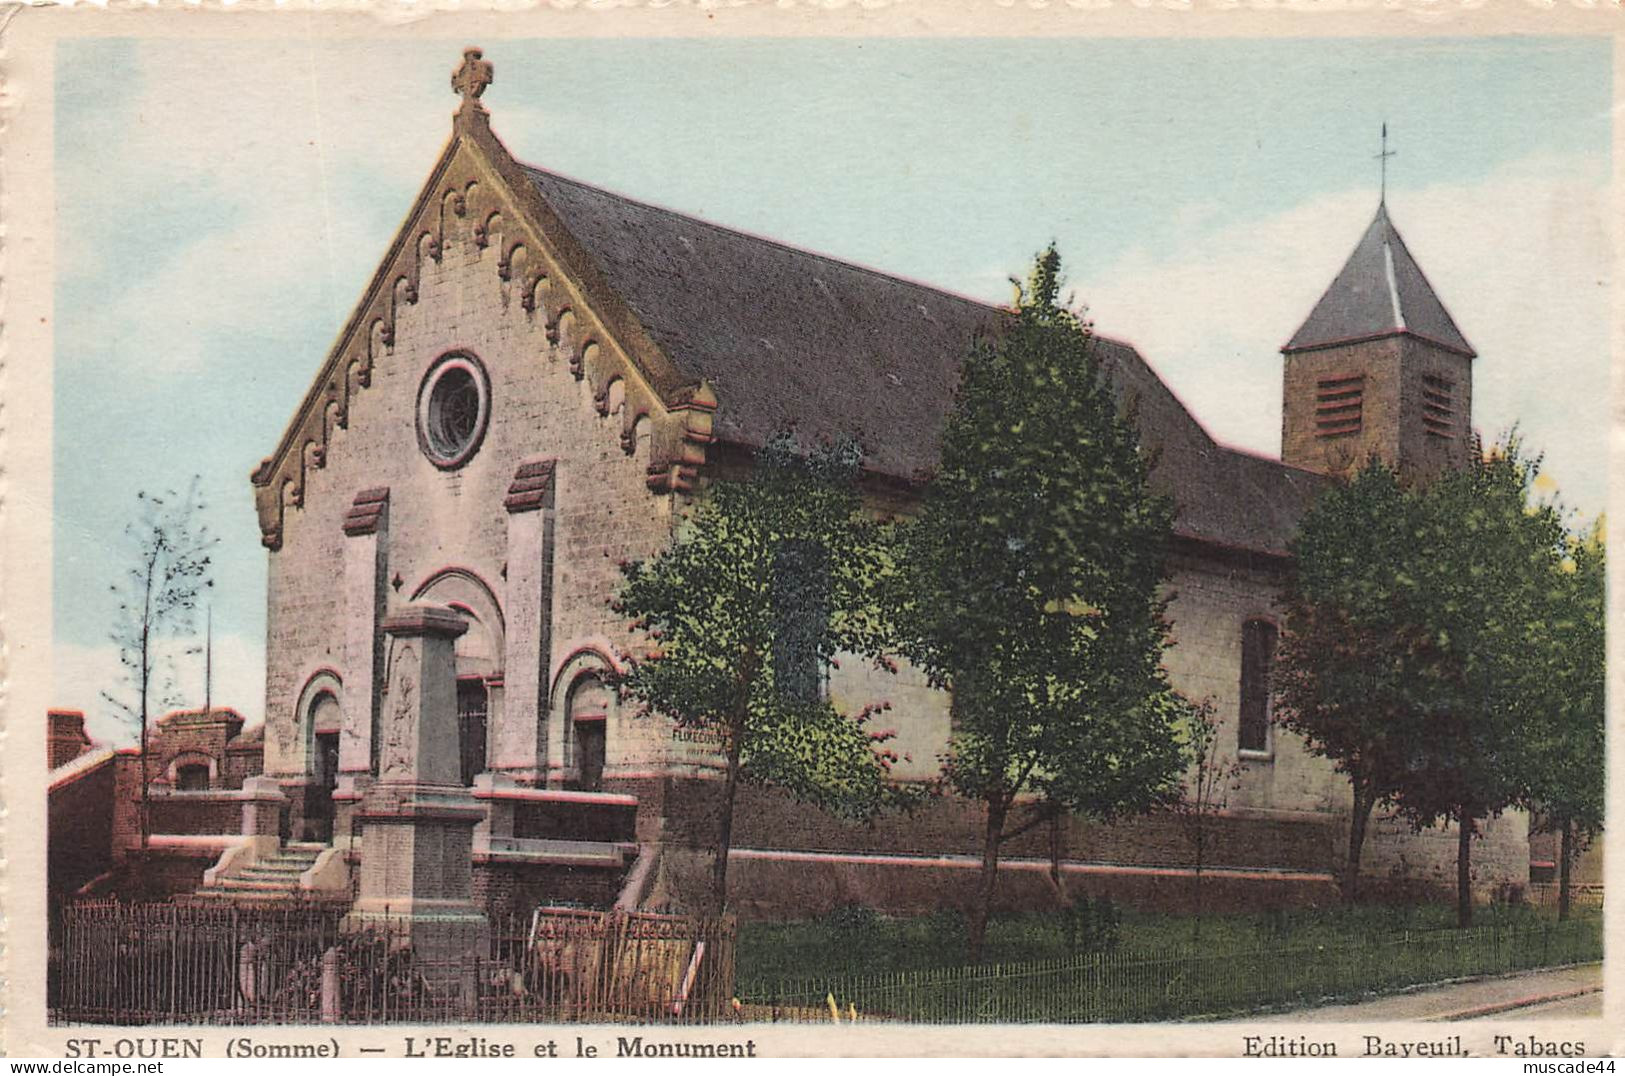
x: 539, y: 377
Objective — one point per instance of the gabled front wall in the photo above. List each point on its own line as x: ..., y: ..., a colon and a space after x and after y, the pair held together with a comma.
x: 556, y: 394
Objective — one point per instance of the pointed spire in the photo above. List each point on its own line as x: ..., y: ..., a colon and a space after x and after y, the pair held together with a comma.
x: 1381, y: 291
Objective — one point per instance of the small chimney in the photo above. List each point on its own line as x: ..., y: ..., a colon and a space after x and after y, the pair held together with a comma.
x: 65, y: 738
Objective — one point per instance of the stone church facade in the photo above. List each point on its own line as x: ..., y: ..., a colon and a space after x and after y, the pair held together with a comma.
x: 539, y: 377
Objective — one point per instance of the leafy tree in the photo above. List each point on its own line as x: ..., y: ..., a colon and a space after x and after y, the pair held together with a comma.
x: 168, y: 550
x: 1411, y: 619
x: 766, y: 581
x: 1564, y: 746
x: 1205, y: 790
x: 1029, y: 586
x: 1354, y: 647
x: 1486, y: 555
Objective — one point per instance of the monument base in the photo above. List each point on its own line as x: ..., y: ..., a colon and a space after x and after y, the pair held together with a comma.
x: 416, y: 877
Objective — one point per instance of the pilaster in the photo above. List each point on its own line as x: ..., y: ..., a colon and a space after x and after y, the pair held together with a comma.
x: 520, y: 735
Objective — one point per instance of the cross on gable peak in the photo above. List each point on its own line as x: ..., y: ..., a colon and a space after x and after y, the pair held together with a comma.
x: 471, y: 79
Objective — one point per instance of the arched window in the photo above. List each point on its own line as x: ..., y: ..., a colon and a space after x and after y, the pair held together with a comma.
x: 801, y: 598
x: 588, y: 715
x: 1257, y: 654
x: 192, y: 777
x: 473, y: 714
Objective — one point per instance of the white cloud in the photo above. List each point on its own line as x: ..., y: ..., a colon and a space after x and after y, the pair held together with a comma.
x: 1522, y: 260
x: 82, y: 673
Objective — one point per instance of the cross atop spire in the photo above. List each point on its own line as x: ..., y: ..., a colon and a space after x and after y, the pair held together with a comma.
x: 1382, y: 197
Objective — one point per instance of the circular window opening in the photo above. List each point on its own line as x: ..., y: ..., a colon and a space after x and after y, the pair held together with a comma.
x: 453, y: 407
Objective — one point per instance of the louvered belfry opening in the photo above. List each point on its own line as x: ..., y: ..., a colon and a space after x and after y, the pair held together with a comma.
x: 1438, y: 406
x: 1339, y: 401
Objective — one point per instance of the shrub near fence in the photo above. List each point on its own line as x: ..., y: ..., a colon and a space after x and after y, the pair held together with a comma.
x: 1177, y: 985
x: 177, y: 963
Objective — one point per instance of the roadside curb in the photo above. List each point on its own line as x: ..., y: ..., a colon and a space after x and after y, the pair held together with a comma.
x: 1518, y: 1003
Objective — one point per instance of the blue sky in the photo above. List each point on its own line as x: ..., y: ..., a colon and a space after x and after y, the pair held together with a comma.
x: 222, y: 203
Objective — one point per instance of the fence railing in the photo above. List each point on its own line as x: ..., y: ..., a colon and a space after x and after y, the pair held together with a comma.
x: 177, y: 963
x: 1123, y: 987
x: 1582, y: 895
x: 174, y: 963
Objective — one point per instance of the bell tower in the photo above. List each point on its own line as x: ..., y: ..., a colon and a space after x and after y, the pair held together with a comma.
x: 1379, y: 368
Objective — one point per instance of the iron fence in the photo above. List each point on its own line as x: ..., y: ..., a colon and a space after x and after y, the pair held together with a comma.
x: 201, y: 964
x: 1583, y: 896
x: 1124, y: 987
x: 175, y: 963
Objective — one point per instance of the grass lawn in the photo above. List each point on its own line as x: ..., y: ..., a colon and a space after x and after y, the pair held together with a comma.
x: 853, y: 942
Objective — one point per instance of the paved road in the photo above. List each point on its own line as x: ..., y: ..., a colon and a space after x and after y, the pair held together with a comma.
x: 1462, y: 999
x: 1584, y: 1007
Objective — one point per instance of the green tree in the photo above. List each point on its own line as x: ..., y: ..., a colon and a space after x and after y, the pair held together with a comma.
x: 1354, y: 649
x: 1030, y: 587
x: 1564, y: 746
x: 168, y: 554
x: 1485, y: 557
x: 766, y: 581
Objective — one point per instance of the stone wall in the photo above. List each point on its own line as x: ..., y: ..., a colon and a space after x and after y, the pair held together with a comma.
x: 1399, y: 861
x: 442, y: 520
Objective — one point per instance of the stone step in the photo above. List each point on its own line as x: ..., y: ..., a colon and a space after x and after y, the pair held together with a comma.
x: 266, y: 874
x: 247, y: 897
x: 252, y: 885
x: 279, y: 868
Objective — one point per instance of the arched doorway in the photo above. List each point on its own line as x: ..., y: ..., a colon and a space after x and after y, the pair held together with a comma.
x: 321, y: 766
x: 587, y: 718
x: 479, y: 652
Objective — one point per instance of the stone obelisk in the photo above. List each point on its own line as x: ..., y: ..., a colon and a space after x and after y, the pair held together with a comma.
x: 418, y: 820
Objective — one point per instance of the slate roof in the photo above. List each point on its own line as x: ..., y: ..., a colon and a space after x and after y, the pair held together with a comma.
x: 1381, y: 291
x: 792, y: 340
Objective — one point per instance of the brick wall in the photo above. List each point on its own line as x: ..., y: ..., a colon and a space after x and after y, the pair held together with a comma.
x: 507, y: 889
x: 65, y: 738
x: 1379, y: 361
x: 1392, y: 425
x: 768, y: 819
x: 196, y: 813
x: 1422, y: 451
x: 762, y: 888
x: 212, y: 739
x: 79, y: 831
